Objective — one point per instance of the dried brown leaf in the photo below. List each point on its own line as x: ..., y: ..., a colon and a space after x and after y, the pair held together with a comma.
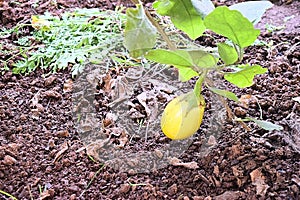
x: 49, y: 80
x: 64, y: 148
x: 258, y: 180
x: 177, y: 162
x: 68, y: 86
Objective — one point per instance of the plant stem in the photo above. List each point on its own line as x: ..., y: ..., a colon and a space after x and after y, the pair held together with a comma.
x: 161, y: 31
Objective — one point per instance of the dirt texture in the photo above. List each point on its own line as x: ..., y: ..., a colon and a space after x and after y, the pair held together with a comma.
x: 42, y: 155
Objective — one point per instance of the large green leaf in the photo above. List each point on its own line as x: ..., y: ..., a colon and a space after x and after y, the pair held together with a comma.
x: 244, y: 75
x: 183, y: 15
x: 185, y: 73
x: 233, y: 25
x: 185, y: 58
x: 227, y: 53
x: 178, y: 57
x: 252, y: 10
x: 140, y: 34
x: 202, y: 59
x: 224, y: 93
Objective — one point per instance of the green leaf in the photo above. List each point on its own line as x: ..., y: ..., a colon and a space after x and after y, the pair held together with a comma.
x: 224, y: 93
x: 202, y: 59
x: 163, y: 7
x: 184, y: 58
x: 227, y: 53
x: 140, y: 34
x: 178, y: 57
x: 185, y: 73
x: 252, y: 10
x: 233, y: 25
x: 269, y: 126
x: 198, y: 85
x: 244, y: 75
x: 183, y: 15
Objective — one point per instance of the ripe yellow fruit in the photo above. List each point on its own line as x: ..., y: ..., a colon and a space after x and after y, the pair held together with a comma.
x: 183, y: 116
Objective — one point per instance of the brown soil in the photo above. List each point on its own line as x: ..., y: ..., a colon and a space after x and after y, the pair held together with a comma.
x: 42, y: 154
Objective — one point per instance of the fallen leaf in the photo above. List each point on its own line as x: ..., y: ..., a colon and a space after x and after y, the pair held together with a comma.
x: 9, y: 160
x: 177, y: 162
x: 232, y: 195
x: 245, y: 100
x: 296, y: 180
x: 35, y: 99
x: 64, y: 148
x: 39, y: 23
x: 49, y: 80
x: 68, y: 86
x: 52, y: 94
x: 47, y: 193
x: 258, y: 180
x: 64, y: 133
x: 107, y: 83
x: 297, y: 99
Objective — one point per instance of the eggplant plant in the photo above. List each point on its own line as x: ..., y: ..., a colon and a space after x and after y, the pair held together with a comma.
x: 183, y: 115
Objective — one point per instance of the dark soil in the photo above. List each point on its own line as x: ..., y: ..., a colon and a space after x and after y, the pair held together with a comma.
x: 42, y: 155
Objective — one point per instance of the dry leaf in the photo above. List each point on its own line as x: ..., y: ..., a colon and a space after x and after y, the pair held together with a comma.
x: 296, y: 180
x: 49, y: 80
x: 64, y: 148
x: 177, y: 162
x: 232, y: 195
x: 246, y: 99
x: 53, y: 94
x: 258, y: 180
x: 107, y: 83
x: 9, y: 160
x: 47, y: 193
x: 64, y: 133
x: 68, y: 86
x: 142, y: 98
x: 35, y: 99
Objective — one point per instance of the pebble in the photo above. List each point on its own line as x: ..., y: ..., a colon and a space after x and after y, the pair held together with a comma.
x: 173, y: 189
x: 9, y: 160
x: 125, y: 188
x: 74, y: 188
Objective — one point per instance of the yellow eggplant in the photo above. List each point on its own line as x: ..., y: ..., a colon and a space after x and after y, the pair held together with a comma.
x: 182, y: 116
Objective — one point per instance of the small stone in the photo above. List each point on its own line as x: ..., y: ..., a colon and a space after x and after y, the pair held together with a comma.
x: 132, y: 172
x: 125, y: 188
x: 74, y: 188
x: 198, y: 198
x: 49, y: 80
x: 73, y: 197
x: 64, y: 133
x: 172, y: 190
x: 9, y: 160
x: 240, y: 112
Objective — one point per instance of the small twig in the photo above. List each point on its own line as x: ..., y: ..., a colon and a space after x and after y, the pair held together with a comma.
x: 136, y: 184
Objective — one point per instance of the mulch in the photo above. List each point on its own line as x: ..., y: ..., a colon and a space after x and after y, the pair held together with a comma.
x: 42, y: 155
